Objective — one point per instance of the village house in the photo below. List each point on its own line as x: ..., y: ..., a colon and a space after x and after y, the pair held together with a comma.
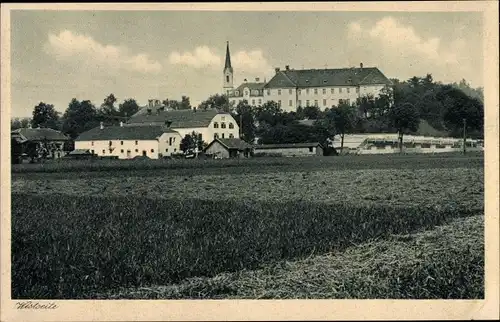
x: 127, y: 142
x: 209, y: 123
x: 228, y: 148
x: 290, y: 149
x: 38, y: 142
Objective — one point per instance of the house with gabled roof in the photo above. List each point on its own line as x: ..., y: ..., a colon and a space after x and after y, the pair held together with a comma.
x: 210, y: 123
x: 228, y: 148
x: 40, y: 141
x: 128, y: 142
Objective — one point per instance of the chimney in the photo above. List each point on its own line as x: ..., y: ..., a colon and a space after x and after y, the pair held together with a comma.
x: 121, y: 124
x: 277, y: 70
x: 150, y: 103
x: 257, y: 79
x: 361, y: 65
x: 102, y: 125
x: 287, y: 67
x: 245, y: 80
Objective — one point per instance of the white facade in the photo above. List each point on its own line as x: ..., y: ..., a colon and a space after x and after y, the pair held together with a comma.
x: 324, y: 97
x: 222, y: 125
x: 166, y: 144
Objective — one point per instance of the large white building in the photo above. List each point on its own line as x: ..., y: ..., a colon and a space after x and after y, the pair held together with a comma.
x: 291, y: 88
x: 155, y: 132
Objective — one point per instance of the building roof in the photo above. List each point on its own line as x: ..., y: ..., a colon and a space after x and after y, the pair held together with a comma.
x: 80, y: 152
x: 233, y: 143
x: 124, y: 133
x: 328, y: 77
x: 287, y: 145
x: 252, y: 86
x: 178, y: 118
x: 39, y: 134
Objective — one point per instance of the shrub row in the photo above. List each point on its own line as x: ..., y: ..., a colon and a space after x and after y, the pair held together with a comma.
x: 71, y: 247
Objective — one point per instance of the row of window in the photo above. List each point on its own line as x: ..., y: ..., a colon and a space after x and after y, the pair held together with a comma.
x: 299, y: 91
x: 136, y: 150
x: 341, y: 101
x: 171, y: 140
x: 223, y: 125
x: 216, y: 135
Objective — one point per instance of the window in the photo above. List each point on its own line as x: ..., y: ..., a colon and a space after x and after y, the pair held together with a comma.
x: 231, y: 135
x: 231, y: 125
x: 324, y: 102
x: 300, y: 103
x: 92, y: 151
x: 357, y: 89
x: 152, y: 150
x: 166, y: 150
x: 110, y: 143
x: 222, y: 135
x: 246, y: 92
x: 216, y: 125
x: 290, y: 91
x: 298, y: 91
x: 268, y: 92
x: 341, y: 101
x: 333, y: 90
x: 223, y: 125
x: 175, y: 150
x: 315, y: 91
x: 315, y: 102
x: 311, y: 149
x: 103, y: 151
x: 324, y: 90
x: 307, y: 103
x: 136, y: 143
x: 290, y: 103
x: 279, y: 91
x: 340, y: 90
x: 253, y: 102
x: 170, y: 141
x: 348, y: 101
x: 121, y: 142
x: 92, y: 143
x: 136, y: 150
x: 260, y: 101
x: 121, y: 150
x: 279, y: 103
x: 307, y: 90
x: 348, y: 90
x: 227, y: 78
x: 237, y: 93
x: 200, y: 136
x: 216, y: 135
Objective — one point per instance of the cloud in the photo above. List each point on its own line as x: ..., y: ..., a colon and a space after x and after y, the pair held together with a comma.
x: 201, y: 57
x: 401, y: 51
x: 69, y: 46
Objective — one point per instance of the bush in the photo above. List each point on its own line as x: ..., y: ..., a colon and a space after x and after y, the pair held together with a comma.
x: 73, y: 247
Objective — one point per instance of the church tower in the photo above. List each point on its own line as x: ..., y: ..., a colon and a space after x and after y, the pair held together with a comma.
x: 228, y: 73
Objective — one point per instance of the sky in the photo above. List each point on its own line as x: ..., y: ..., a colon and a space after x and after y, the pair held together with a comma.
x: 60, y: 55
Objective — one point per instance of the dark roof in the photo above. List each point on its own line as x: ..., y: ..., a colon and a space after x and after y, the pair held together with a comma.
x: 230, y: 144
x: 286, y: 145
x: 40, y: 134
x: 251, y: 86
x: 179, y: 118
x: 124, y: 133
x: 328, y: 77
x: 228, y: 58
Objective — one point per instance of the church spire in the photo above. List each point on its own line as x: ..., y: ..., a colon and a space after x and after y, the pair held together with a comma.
x: 228, y: 58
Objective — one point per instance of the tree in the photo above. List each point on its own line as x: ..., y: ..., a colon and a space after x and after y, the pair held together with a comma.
x: 108, y: 106
x: 192, y: 142
x: 128, y: 108
x: 312, y: 112
x: 44, y: 115
x: 79, y: 117
x: 343, y: 119
x: 245, y: 117
x: 220, y: 102
x: 404, y: 118
x: 19, y: 123
x: 185, y: 104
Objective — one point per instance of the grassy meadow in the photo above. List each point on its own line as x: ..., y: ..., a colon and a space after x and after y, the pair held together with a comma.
x: 338, y: 227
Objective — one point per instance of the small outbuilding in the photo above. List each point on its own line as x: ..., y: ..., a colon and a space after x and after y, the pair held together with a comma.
x: 228, y: 148
x: 290, y: 149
